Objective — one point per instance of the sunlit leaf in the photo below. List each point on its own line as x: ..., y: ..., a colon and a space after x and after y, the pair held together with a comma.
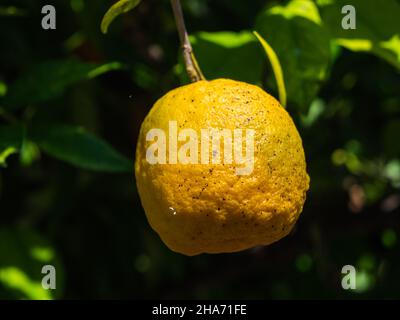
x: 16, y: 279
x: 79, y: 148
x: 276, y: 67
x: 23, y: 253
x: 5, y: 154
x: 29, y: 153
x: 365, y: 281
x: 298, y: 8
x: 392, y: 172
x: 317, y: 108
x: 11, y: 138
x: 233, y: 55
x: 117, y: 9
x: 377, y: 27
x: 302, y: 44
x: 98, y: 71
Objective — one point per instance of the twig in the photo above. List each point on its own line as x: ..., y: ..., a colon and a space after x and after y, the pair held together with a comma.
x: 192, y: 67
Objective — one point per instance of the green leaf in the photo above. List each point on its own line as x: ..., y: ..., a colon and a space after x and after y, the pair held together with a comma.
x: 5, y: 154
x: 79, y: 148
x: 302, y: 45
x: 392, y: 172
x: 29, y: 153
x: 23, y: 253
x: 227, y: 55
x: 276, y: 67
x: 117, y: 9
x: 377, y: 27
x: 49, y: 80
x: 3, y: 88
x: 11, y: 138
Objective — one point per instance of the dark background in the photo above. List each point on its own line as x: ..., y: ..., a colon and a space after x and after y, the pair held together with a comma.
x: 59, y: 206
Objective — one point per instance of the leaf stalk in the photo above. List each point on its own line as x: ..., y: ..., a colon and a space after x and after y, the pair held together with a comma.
x: 192, y: 67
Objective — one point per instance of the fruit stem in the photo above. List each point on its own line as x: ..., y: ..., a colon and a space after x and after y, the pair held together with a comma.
x: 192, y: 67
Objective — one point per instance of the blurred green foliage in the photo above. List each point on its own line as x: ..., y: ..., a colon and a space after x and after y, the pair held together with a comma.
x: 377, y: 27
x: 223, y: 53
x: 49, y: 80
x: 20, y: 273
x: 71, y: 104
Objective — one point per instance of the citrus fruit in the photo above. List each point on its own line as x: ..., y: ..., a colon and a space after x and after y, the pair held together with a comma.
x: 212, y: 207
